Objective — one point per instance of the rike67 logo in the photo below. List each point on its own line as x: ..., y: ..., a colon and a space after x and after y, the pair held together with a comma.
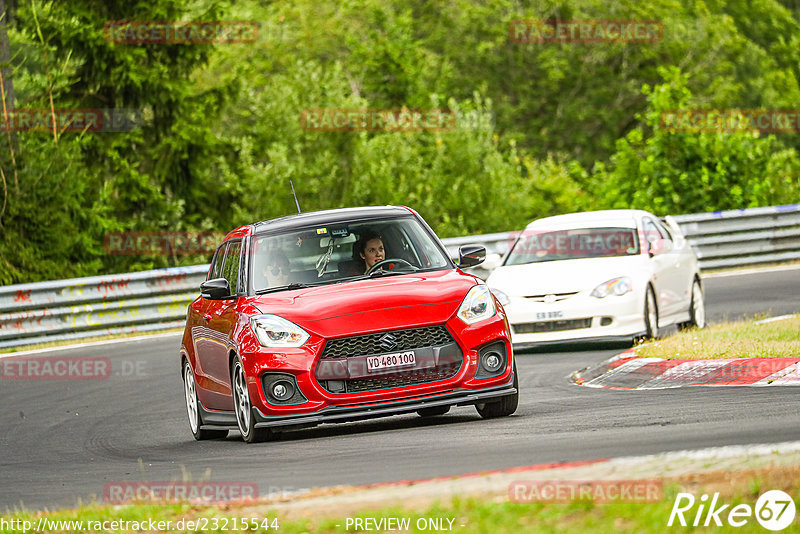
x: 774, y: 510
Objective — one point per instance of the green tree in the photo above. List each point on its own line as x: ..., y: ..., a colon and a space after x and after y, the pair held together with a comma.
x: 670, y: 173
x: 75, y: 187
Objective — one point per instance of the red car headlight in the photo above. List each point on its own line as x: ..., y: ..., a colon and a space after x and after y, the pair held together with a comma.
x: 276, y: 332
x: 477, y: 305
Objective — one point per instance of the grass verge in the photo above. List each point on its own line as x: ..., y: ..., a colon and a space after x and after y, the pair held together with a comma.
x: 745, y: 339
x: 477, y: 515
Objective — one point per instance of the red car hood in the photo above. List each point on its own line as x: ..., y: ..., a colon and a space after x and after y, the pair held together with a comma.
x: 350, y: 308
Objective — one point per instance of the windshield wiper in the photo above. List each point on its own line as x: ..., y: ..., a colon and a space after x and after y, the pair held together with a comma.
x: 380, y: 272
x: 293, y: 285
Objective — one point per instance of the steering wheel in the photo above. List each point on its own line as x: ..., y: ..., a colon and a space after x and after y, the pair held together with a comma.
x: 390, y: 260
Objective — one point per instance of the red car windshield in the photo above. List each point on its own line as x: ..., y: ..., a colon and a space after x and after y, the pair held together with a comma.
x: 535, y: 246
x: 333, y: 253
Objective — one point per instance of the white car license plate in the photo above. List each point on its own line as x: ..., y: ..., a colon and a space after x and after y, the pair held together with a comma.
x: 388, y: 361
x: 549, y: 315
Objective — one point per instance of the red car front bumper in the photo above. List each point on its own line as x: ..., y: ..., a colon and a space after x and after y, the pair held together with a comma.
x: 341, y: 388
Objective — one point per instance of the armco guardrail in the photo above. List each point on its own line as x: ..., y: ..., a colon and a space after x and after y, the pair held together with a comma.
x: 156, y: 300
x: 97, y: 305
x: 744, y: 237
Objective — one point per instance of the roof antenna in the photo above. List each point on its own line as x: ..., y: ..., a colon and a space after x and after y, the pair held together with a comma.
x: 295, y: 197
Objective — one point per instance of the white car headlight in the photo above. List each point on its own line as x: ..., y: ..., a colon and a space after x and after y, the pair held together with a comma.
x: 502, y: 297
x: 477, y: 305
x: 276, y: 332
x: 615, y: 286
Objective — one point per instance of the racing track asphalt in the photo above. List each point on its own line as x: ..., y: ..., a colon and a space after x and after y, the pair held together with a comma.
x: 64, y: 440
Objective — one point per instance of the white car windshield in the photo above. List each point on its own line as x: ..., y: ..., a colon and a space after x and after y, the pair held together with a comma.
x: 342, y: 251
x: 540, y: 245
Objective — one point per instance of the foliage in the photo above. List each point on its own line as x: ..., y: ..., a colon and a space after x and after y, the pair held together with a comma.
x: 674, y: 172
x: 570, y: 126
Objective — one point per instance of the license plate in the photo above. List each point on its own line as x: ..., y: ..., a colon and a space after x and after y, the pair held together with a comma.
x: 389, y: 361
x: 550, y: 315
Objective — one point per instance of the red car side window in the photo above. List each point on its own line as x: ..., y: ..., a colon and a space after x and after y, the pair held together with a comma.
x: 230, y: 269
x: 216, y: 263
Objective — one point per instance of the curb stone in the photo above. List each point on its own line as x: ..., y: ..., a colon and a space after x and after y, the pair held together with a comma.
x: 629, y: 371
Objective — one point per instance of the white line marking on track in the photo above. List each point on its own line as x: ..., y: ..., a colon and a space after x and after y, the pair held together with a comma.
x: 773, y: 319
x: 92, y: 344
x: 755, y: 270
x: 727, y: 451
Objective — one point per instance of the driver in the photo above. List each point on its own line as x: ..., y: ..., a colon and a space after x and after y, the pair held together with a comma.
x: 370, y: 249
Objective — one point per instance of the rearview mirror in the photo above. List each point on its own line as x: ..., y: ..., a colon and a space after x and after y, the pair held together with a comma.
x: 471, y: 255
x: 215, y: 289
x: 326, y: 241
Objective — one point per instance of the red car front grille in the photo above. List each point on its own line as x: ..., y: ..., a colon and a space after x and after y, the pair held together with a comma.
x: 437, y: 338
x: 370, y: 344
x: 399, y: 380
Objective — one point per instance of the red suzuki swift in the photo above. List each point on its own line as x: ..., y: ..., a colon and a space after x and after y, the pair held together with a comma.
x: 341, y: 315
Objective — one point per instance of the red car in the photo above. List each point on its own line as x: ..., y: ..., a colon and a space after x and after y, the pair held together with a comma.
x: 337, y: 316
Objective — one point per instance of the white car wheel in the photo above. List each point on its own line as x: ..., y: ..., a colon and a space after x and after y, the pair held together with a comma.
x: 697, y: 309
x: 650, y: 314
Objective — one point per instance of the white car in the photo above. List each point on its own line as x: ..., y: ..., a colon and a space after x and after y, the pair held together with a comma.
x: 604, y: 275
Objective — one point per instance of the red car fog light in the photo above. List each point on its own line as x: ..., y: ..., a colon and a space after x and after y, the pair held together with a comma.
x: 491, y: 360
x: 282, y: 389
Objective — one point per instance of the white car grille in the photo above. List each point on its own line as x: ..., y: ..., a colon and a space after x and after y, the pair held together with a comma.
x: 550, y: 297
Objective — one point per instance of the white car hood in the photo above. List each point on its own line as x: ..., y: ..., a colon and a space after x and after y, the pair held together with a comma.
x: 565, y: 276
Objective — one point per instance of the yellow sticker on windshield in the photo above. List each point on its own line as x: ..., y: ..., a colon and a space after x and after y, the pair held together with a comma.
x: 322, y: 231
